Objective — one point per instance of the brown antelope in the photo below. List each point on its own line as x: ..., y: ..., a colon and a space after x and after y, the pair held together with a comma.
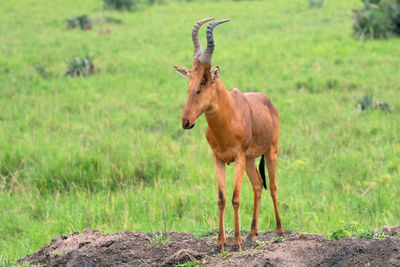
x: 241, y: 127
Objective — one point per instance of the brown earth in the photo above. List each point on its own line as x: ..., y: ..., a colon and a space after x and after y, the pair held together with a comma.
x: 92, y: 248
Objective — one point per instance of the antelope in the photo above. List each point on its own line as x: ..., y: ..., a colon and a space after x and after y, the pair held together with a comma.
x: 240, y: 128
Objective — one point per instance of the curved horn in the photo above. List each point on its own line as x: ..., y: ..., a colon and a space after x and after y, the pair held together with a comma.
x: 198, y: 50
x: 206, y: 56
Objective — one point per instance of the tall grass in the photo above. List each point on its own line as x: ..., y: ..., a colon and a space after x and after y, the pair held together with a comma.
x: 108, y: 151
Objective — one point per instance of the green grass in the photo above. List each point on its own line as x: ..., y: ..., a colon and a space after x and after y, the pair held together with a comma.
x: 108, y: 151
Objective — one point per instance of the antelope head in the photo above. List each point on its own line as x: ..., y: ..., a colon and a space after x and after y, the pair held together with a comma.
x: 202, y: 79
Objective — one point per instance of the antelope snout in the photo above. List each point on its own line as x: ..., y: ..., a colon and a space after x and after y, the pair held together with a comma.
x: 186, y: 124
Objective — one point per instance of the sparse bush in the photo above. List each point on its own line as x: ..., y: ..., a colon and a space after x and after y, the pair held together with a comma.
x: 339, y: 234
x: 316, y: 3
x: 369, y: 234
x: 159, y: 238
x: 378, y: 19
x: 394, y: 9
x: 383, y: 106
x: 367, y: 103
x: 42, y: 71
x: 121, y: 4
x: 346, y: 230
x: 129, y: 5
x: 80, y: 67
x: 82, y: 21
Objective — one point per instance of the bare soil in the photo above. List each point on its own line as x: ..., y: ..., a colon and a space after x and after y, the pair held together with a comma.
x: 92, y: 248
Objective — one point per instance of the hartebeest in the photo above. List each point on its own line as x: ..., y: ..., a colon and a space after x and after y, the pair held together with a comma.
x: 241, y: 127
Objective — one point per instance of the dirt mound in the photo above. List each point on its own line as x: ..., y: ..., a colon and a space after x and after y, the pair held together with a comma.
x: 92, y: 248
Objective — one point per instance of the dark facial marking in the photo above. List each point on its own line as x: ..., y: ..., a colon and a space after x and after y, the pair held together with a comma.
x: 204, y: 81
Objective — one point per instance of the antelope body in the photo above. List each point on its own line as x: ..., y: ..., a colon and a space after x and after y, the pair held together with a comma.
x: 241, y: 127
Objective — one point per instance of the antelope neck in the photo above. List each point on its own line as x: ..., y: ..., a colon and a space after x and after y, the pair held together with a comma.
x: 220, y: 113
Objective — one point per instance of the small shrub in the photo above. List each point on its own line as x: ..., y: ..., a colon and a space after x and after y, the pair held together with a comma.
x: 367, y: 103
x: 372, y: 235
x: 80, y: 67
x: 42, y: 71
x: 129, y: 5
x: 394, y: 9
x: 82, y: 22
x: 316, y: 3
x: 381, y: 105
x: 121, y: 4
x: 159, y: 238
x: 339, y: 234
x: 378, y: 19
x: 345, y: 230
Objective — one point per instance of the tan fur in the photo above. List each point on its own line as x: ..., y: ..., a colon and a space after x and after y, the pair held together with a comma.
x: 241, y: 127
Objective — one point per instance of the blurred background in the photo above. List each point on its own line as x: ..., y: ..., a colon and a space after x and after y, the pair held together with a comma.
x: 90, y: 115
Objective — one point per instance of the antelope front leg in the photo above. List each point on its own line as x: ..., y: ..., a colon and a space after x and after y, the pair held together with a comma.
x: 220, y: 171
x: 240, y: 163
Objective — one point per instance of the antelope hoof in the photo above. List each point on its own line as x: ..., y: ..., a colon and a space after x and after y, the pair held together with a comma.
x: 219, y: 249
x: 279, y: 231
x: 236, y: 247
x: 250, y: 238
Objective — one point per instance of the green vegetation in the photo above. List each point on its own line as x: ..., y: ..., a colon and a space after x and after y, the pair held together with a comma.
x: 352, y: 229
x: 316, y: 3
x: 225, y: 254
x: 90, y: 153
x: 159, y: 238
x: 80, y: 67
x: 377, y: 19
x: 129, y: 5
x: 9, y: 263
x: 120, y: 4
x: 367, y: 103
x: 372, y: 234
x: 192, y: 264
x: 279, y: 239
x: 83, y: 22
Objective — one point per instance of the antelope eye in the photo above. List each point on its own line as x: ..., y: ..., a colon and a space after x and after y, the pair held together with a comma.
x: 204, y: 81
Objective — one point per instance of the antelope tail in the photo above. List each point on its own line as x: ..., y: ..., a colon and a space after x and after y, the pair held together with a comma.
x: 261, y: 168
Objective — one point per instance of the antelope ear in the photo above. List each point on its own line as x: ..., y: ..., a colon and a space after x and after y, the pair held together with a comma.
x: 185, y: 72
x: 215, y: 74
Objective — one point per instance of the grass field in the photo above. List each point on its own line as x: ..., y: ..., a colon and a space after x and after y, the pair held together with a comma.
x: 108, y: 152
